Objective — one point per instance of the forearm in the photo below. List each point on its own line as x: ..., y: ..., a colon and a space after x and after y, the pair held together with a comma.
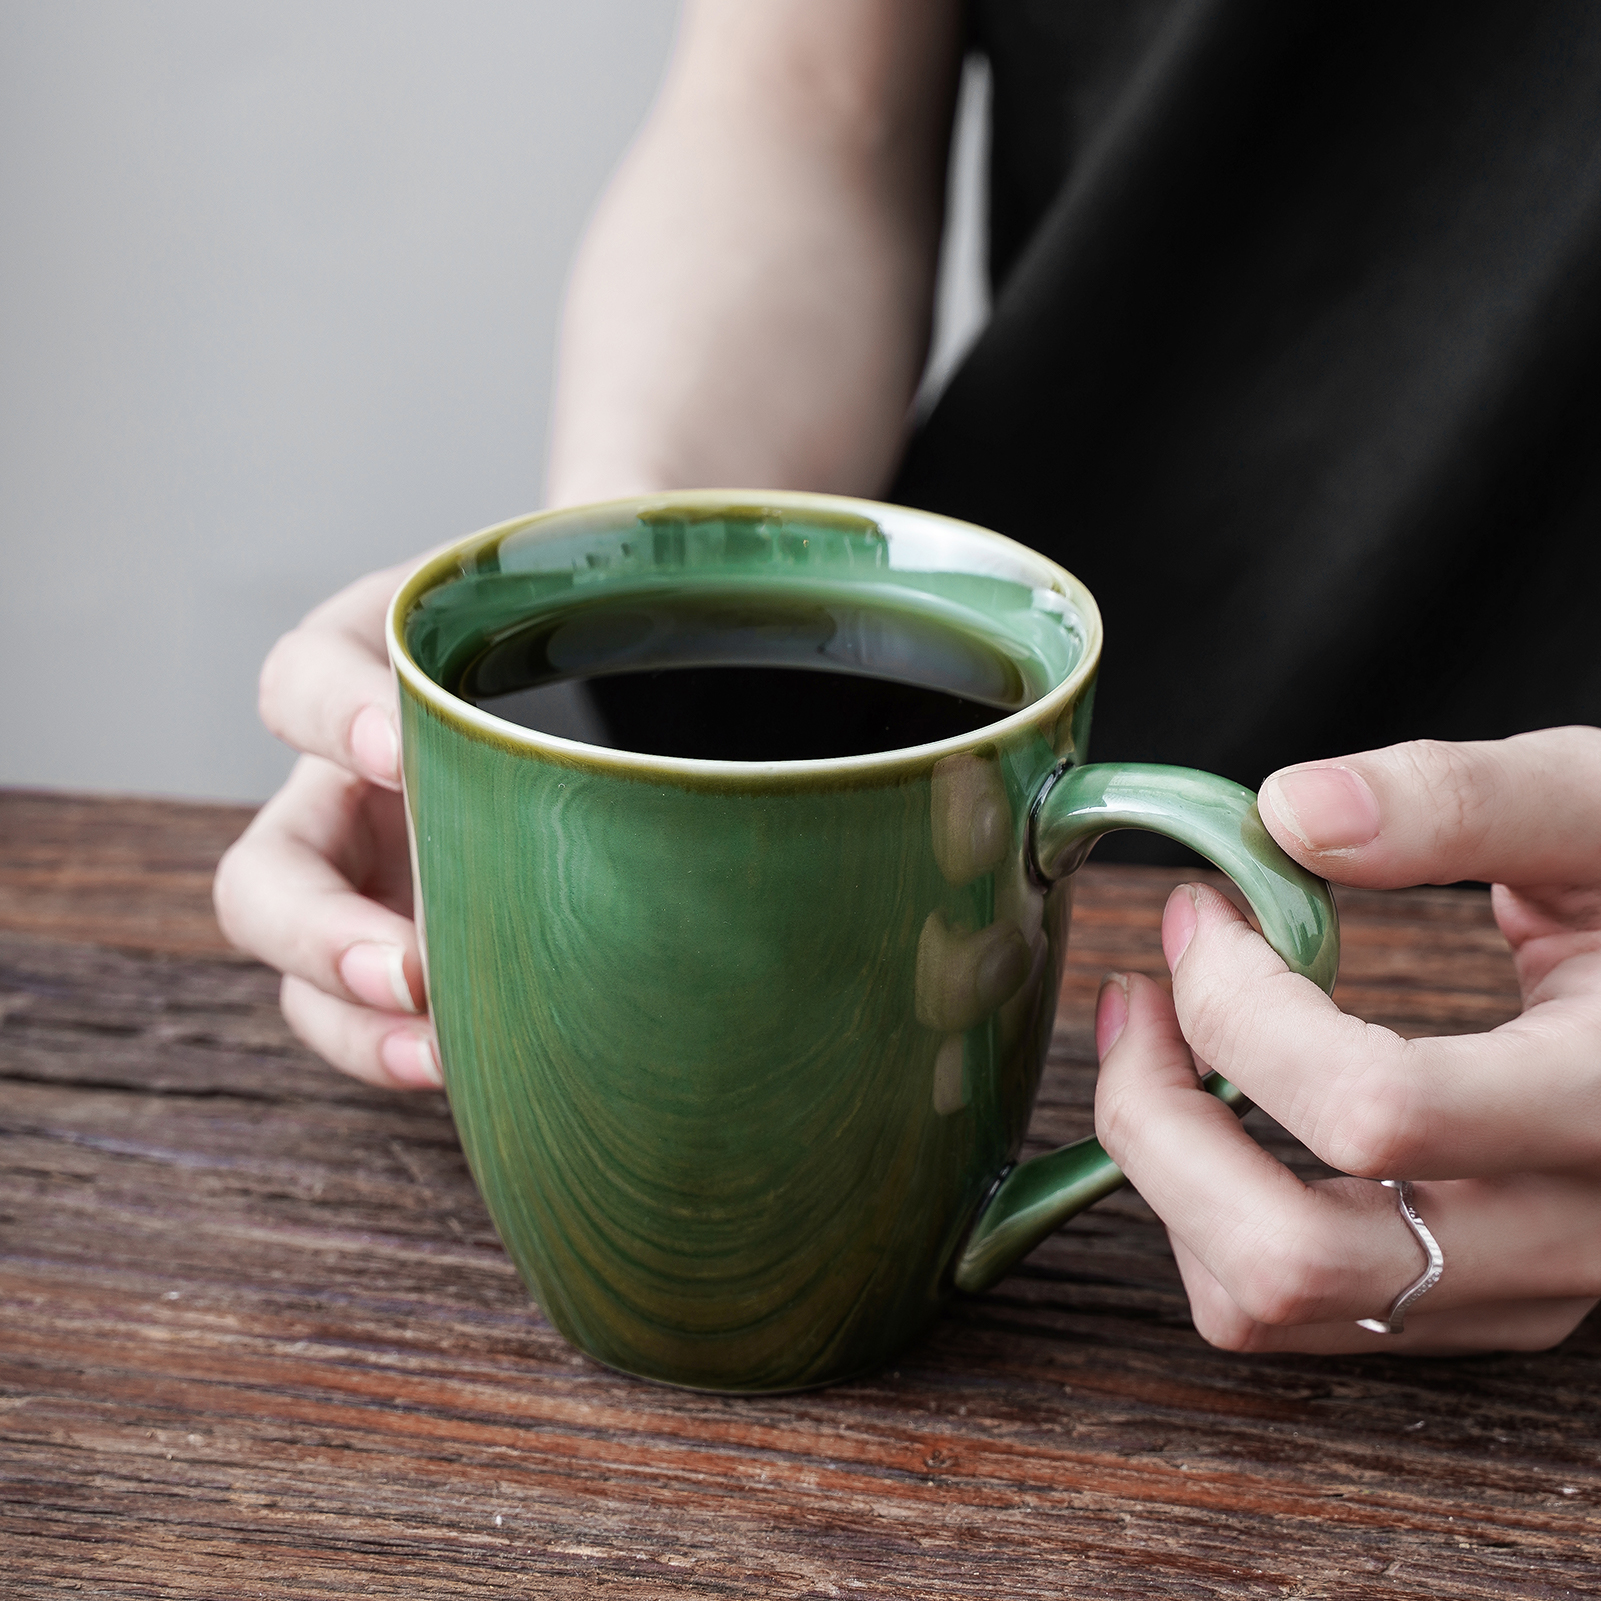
x: 751, y: 305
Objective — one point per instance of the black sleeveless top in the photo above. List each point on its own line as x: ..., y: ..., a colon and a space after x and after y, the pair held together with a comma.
x: 1293, y: 360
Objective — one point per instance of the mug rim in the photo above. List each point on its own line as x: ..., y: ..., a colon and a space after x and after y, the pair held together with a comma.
x: 447, y: 563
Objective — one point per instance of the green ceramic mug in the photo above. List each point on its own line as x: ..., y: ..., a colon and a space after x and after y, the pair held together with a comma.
x: 742, y: 1053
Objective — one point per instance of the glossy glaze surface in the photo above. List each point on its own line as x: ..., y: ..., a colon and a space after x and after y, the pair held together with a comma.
x: 739, y: 1051
x: 1218, y: 818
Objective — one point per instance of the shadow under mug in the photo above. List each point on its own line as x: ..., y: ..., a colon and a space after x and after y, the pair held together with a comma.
x: 742, y: 1054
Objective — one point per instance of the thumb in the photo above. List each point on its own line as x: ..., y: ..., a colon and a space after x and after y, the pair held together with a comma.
x: 1519, y: 811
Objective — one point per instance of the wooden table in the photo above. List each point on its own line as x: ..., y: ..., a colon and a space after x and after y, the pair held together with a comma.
x: 257, y: 1337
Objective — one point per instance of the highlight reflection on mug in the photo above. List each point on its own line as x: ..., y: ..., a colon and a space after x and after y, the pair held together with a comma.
x: 962, y: 977
x: 970, y: 816
x: 965, y: 976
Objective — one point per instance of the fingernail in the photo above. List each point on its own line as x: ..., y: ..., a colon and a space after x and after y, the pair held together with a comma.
x: 410, y: 1058
x: 1326, y: 808
x: 376, y: 974
x: 375, y: 745
x: 1178, y: 924
x: 1111, y: 1012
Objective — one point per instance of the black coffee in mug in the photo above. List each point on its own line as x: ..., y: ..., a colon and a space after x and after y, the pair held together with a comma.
x: 728, y: 675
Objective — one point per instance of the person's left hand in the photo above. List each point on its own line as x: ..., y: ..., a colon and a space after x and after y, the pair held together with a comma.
x: 1503, y: 1128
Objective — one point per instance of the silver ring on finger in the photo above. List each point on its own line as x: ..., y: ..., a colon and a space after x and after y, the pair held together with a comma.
x: 1434, y: 1268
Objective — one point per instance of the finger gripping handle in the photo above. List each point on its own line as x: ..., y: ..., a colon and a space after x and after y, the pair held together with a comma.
x: 1216, y: 818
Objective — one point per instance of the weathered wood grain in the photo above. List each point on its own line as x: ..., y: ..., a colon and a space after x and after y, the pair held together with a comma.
x: 257, y: 1337
x: 123, y: 871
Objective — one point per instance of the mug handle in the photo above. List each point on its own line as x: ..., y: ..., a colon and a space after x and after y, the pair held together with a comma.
x: 1216, y: 817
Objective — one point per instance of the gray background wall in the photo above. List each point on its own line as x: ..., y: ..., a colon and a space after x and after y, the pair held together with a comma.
x: 279, y: 286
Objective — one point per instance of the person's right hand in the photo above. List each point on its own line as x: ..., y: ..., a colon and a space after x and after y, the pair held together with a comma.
x: 319, y: 885
x: 1501, y: 1130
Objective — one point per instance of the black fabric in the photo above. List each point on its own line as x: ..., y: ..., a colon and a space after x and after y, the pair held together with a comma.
x: 1297, y: 327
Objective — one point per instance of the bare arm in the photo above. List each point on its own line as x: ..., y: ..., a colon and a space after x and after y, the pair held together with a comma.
x: 751, y: 305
